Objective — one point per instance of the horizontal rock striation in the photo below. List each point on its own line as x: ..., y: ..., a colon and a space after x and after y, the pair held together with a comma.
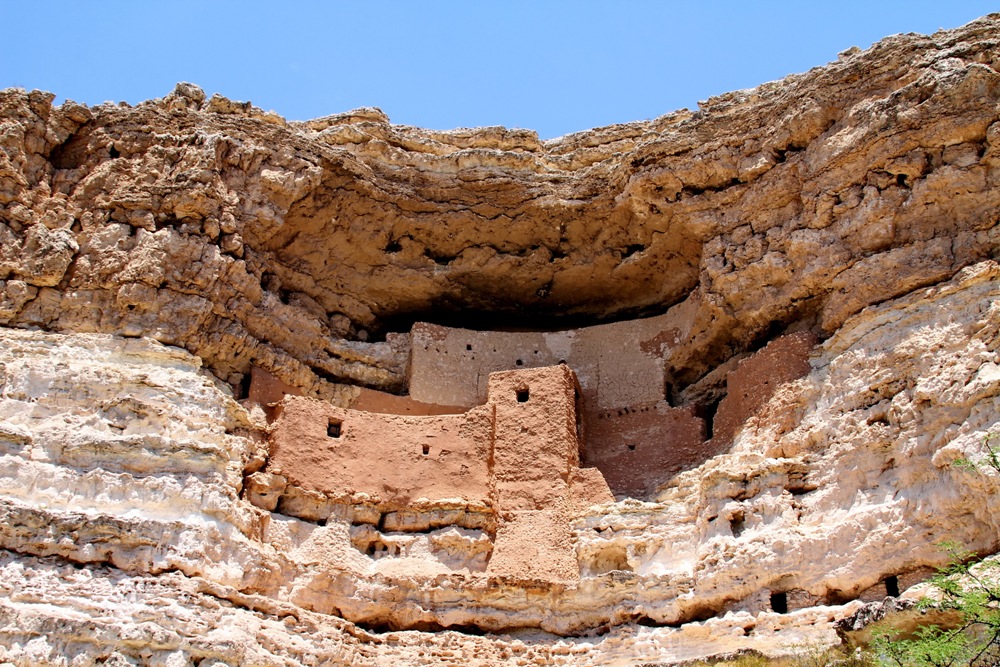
x: 123, y: 453
x: 822, y: 253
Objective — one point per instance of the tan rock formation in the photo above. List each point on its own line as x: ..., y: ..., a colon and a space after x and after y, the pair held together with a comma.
x: 248, y: 240
x: 817, y: 260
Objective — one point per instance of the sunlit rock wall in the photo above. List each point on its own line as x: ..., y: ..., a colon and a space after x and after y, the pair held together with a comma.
x: 151, y: 257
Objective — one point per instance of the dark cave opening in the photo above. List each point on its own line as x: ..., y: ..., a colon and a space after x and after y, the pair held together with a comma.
x: 508, y: 316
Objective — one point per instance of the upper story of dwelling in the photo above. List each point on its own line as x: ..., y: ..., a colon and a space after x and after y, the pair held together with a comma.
x: 618, y: 365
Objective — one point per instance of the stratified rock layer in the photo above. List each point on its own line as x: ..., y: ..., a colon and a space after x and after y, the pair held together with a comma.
x: 152, y: 257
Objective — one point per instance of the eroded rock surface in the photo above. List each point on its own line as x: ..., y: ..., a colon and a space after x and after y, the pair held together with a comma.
x: 250, y: 240
x: 820, y: 256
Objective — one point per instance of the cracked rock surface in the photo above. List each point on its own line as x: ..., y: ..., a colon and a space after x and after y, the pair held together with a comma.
x: 150, y: 256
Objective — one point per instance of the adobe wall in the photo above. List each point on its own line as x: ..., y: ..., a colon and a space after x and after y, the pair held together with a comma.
x: 536, y: 474
x: 617, y: 364
x: 393, y: 459
x: 639, y: 448
x: 267, y: 391
x: 535, y: 445
x: 755, y: 379
x: 519, y: 453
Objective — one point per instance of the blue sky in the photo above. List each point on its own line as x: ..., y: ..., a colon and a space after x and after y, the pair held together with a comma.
x: 554, y: 67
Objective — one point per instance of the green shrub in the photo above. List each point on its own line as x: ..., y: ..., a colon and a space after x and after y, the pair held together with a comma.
x: 966, y: 586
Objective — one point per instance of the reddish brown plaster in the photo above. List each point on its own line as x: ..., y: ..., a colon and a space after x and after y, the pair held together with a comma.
x: 753, y: 382
x: 639, y: 448
x: 382, y: 455
x: 267, y: 391
x: 518, y: 453
x: 588, y: 487
x: 370, y: 400
x: 660, y: 344
x: 535, y: 445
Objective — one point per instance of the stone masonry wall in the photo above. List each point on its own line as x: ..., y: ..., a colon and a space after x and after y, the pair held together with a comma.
x: 618, y: 364
x: 639, y: 448
x: 755, y: 379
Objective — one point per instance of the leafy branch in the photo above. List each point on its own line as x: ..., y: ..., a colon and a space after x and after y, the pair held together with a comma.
x: 969, y: 588
x: 990, y: 458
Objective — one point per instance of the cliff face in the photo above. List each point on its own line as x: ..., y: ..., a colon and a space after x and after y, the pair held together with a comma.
x: 152, y: 258
x: 248, y: 240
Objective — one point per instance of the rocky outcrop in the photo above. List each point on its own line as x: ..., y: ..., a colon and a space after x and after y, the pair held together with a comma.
x: 249, y: 240
x: 823, y: 247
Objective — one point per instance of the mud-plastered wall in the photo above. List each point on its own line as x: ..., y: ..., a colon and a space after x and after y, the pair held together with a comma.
x: 638, y: 448
x: 390, y: 460
x: 618, y: 364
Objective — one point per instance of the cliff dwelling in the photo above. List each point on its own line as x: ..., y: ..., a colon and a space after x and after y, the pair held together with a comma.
x: 626, y: 426
x: 503, y: 435
x: 504, y: 474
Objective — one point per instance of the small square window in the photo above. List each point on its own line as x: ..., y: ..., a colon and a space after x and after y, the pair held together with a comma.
x: 333, y: 428
x: 522, y: 395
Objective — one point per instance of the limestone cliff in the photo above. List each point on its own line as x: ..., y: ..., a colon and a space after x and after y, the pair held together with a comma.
x: 154, y: 259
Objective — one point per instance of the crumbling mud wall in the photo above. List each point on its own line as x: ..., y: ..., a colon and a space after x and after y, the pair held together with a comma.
x: 617, y: 364
x: 755, y: 379
x: 815, y: 259
x: 391, y: 459
x: 510, y: 467
x: 639, y: 448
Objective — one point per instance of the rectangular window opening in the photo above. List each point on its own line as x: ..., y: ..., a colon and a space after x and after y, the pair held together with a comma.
x: 333, y: 428
x: 522, y: 395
